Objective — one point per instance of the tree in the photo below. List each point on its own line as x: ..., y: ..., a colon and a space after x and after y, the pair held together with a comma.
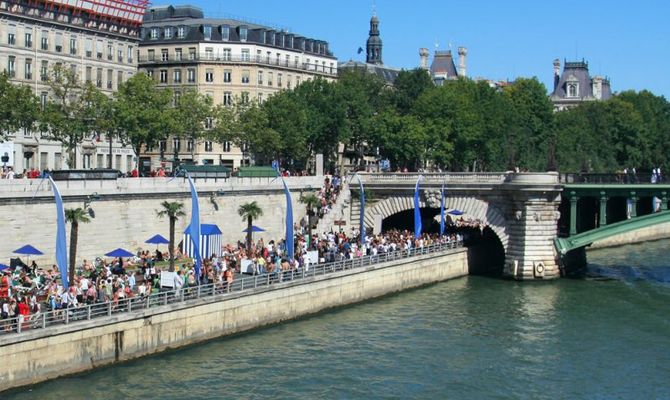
x: 409, y: 86
x: 64, y: 114
x: 74, y: 216
x: 25, y: 108
x: 99, y: 115
x: 143, y: 112
x: 256, y: 133
x: 173, y: 210
x: 7, y: 120
x: 310, y: 201
x: 249, y: 212
x: 191, y: 112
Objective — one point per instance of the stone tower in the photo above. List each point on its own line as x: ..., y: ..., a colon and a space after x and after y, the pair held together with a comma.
x: 423, y: 56
x: 374, y: 45
x: 462, y: 53
x: 557, y: 72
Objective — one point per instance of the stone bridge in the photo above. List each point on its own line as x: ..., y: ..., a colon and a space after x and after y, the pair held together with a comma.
x: 521, y: 209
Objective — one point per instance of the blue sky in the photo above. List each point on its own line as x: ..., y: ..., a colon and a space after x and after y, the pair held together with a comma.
x: 629, y: 42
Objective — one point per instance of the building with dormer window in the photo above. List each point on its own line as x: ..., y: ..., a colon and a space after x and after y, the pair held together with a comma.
x: 574, y: 85
x: 228, y: 60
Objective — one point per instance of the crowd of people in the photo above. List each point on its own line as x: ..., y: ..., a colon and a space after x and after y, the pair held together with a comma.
x: 32, y: 173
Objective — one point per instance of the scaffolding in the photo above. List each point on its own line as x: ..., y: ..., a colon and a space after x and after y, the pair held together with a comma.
x: 124, y: 12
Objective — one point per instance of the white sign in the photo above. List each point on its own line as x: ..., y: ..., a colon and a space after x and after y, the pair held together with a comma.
x: 7, y: 149
x: 167, y: 279
x: 247, y: 266
x: 313, y: 256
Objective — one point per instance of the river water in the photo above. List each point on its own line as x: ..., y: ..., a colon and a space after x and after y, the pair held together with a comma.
x: 606, y: 336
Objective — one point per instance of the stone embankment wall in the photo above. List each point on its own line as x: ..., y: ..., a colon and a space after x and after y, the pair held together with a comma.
x: 125, y: 214
x: 56, y: 351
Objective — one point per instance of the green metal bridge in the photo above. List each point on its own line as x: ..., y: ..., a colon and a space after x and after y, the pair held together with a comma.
x: 602, y: 206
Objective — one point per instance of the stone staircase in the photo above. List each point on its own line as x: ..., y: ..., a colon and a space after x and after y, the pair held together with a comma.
x: 340, y: 211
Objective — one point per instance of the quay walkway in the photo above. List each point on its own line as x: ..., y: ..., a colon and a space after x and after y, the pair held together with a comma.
x: 211, y: 292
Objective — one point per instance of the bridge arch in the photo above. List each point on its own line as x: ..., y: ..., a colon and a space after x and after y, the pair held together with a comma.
x: 482, y: 210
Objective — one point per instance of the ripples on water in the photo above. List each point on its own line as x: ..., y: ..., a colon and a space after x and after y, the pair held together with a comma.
x: 467, y: 338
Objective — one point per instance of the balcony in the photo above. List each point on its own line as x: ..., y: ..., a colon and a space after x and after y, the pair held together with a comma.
x: 146, y: 61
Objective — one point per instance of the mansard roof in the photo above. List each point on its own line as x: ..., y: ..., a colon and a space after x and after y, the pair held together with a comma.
x: 578, y: 72
x: 443, y: 64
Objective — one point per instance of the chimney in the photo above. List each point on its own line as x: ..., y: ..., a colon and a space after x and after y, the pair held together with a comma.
x: 598, y: 87
x: 557, y: 72
x: 462, y: 52
x: 423, y: 56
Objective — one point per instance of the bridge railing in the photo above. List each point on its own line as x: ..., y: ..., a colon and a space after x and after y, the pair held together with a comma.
x: 214, y: 291
x: 439, y: 177
x: 612, y: 178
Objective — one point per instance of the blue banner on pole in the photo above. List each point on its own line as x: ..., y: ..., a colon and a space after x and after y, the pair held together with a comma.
x: 290, y: 249
x: 417, y: 211
x: 362, y: 216
x: 61, y: 243
x: 442, y: 221
x: 194, y: 228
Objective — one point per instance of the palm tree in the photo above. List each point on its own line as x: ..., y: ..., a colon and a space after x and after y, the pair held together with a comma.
x: 74, y: 216
x: 173, y: 210
x: 250, y: 212
x: 310, y: 201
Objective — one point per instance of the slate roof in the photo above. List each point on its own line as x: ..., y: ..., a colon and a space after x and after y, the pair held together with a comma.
x: 443, y: 64
x: 388, y: 74
x: 579, y: 72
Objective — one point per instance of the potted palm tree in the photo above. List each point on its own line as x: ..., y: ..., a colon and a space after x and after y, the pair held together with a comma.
x: 249, y: 212
x: 173, y: 210
x: 74, y: 216
x: 310, y: 201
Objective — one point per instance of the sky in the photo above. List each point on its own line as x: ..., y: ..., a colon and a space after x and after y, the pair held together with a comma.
x: 627, y: 41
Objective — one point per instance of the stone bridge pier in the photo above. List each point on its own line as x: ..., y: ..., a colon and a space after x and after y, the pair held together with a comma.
x: 520, y: 208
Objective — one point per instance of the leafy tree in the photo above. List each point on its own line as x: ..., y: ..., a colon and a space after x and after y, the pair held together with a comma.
x: 99, y: 114
x: 288, y: 118
x: 7, y: 121
x: 173, y: 210
x: 143, y: 112
x: 63, y: 118
x: 190, y: 115
x: 25, y: 108
x: 408, y: 87
x: 74, y: 216
x: 401, y: 138
x: 256, y: 133
x: 249, y: 212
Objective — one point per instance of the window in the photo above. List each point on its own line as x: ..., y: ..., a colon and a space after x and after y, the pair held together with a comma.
x: 209, y: 75
x: 288, y: 60
x: 227, y: 99
x: 270, y: 78
x: 260, y: 77
x: 245, y: 55
x: 59, y: 42
x: 279, y: 79
x: 164, y: 55
x: 191, y: 75
x: 227, y: 76
x: 98, y: 49
x: 162, y: 145
x: 244, y: 98
x: 119, y: 55
x: 207, y: 32
x: 227, y: 55
x: 44, y: 41
x: 245, y: 76
x: 130, y: 54
x: 73, y: 46
x: 225, y: 146
x: 209, y: 124
x: 191, y: 53
x: 278, y: 58
x: 110, y: 51
x: 208, y: 144
x: 150, y: 73
x: 110, y: 75
x: 11, y: 66
x: 73, y: 70
x: 11, y: 35
x: 28, y: 69
x: 181, y: 32
x: 167, y: 32
x: 225, y: 33
x: 44, y: 71
x: 267, y: 57
x: 260, y: 98
x: 163, y: 76
x: 296, y: 61
x: 98, y: 77
x: 209, y: 53
x: 177, y: 54
x: 176, y: 144
x: 154, y: 33
x: 572, y: 89
x: 176, y: 99
x: 176, y: 76
x: 297, y: 80
x: 259, y: 55
x: 151, y: 55
x: 28, y: 40
x: 243, y: 33
x: 119, y: 78
x: 288, y: 82
x: 44, y: 96
x: 89, y: 48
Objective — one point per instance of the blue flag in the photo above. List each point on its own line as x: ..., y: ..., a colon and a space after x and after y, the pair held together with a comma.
x: 61, y: 244
x: 194, y: 228
x: 290, y: 249
x: 442, y: 222
x: 362, y: 221
x: 417, y: 210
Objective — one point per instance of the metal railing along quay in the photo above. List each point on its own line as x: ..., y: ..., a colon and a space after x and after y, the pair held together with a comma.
x: 441, y: 177
x: 214, y: 291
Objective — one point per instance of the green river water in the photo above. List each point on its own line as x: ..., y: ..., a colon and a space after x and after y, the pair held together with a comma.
x: 606, y: 336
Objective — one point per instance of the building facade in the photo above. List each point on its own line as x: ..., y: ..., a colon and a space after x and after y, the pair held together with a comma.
x: 228, y: 60
x: 98, y: 42
x: 443, y: 68
x: 575, y: 85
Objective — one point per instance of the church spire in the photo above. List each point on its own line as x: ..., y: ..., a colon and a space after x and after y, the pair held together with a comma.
x: 374, y: 45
